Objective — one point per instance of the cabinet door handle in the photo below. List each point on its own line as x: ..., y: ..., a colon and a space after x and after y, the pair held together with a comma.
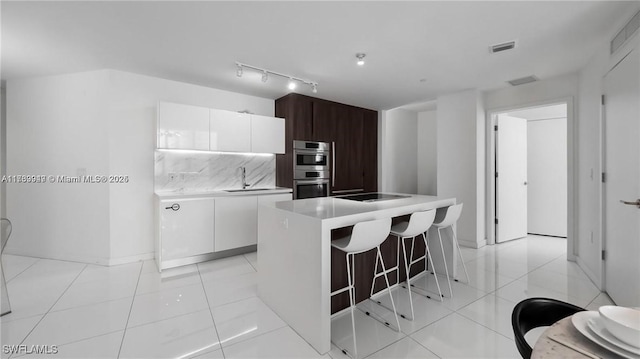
x: 333, y: 164
x: 636, y: 203
x: 174, y: 207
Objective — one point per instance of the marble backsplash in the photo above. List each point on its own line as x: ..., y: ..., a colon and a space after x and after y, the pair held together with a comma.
x: 207, y: 171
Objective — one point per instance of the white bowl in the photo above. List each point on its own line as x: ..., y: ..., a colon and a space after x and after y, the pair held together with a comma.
x: 623, y: 323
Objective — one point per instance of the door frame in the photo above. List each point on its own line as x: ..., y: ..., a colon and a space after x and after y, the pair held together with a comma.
x: 572, y: 186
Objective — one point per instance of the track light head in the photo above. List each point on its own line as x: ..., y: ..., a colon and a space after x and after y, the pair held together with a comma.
x: 265, y: 76
x: 314, y: 88
x: 360, y: 56
x: 292, y: 84
x: 239, y: 71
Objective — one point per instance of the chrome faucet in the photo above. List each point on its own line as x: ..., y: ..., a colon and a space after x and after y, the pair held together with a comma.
x: 244, y: 177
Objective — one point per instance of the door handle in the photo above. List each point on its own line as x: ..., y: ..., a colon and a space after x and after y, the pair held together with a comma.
x: 636, y: 203
x: 174, y: 207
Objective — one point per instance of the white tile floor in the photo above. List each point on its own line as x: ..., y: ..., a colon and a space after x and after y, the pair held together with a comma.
x: 211, y: 310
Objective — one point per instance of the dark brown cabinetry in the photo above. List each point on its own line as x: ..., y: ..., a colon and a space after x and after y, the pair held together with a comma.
x: 351, y: 131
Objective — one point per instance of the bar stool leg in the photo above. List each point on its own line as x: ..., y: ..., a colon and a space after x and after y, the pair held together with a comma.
x: 386, y: 278
x: 407, y: 269
x: 426, y: 246
x: 398, y: 262
x: 444, y: 261
x: 375, y: 272
x: 455, y: 239
x: 352, y: 302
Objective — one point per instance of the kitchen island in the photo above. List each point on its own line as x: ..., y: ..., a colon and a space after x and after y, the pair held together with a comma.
x: 294, y: 254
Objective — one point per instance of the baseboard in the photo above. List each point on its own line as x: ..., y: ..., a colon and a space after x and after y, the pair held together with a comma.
x: 130, y: 259
x: 83, y: 259
x: 472, y: 244
x: 60, y: 257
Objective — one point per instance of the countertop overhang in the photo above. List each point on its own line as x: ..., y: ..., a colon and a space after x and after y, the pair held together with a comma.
x: 329, y: 209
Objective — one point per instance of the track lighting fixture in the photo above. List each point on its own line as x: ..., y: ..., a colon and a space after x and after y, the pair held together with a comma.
x: 360, y: 56
x: 293, y: 81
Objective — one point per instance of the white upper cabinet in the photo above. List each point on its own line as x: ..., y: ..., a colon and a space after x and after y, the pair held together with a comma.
x: 230, y: 131
x: 199, y: 128
x: 267, y: 134
x: 183, y: 126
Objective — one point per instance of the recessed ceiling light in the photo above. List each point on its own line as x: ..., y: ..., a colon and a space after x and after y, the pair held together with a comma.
x: 360, y: 57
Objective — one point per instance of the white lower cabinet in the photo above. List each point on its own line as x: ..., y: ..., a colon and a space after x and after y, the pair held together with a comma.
x: 192, y: 227
x: 186, y: 227
x: 236, y: 222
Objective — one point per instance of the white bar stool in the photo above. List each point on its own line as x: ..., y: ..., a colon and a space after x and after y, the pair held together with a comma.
x: 364, y: 237
x: 418, y: 224
x: 450, y: 218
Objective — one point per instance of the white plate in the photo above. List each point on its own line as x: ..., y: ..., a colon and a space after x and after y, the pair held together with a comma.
x: 596, y: 326
x: 580, y: 321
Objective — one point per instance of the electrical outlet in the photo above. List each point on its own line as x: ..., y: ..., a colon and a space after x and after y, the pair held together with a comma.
x: 172, y: 177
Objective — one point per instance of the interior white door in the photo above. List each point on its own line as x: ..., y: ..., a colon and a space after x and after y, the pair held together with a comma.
x: 511, y: 183
x: 547, y: 177
x: 622, y: 168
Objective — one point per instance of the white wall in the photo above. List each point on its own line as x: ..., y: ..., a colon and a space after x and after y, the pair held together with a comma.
x: 103, y: 121
x: 55, y: 126
x: 460, y: 160
x: 3, y: 150
x: 399, y: 151
x: 427, y: 153
x: 547, y: 177
x: 590, y: 87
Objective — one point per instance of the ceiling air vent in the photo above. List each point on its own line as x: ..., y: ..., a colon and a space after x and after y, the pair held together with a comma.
x: 502, y: 47
x: 523, y: 80
x: 625, y: 34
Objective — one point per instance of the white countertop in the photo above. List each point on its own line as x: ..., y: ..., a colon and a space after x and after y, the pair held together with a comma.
x: 325, y: 208
x: 219, y: 193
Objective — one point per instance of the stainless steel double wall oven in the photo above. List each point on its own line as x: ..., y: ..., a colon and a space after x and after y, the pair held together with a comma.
x: 311, y: 175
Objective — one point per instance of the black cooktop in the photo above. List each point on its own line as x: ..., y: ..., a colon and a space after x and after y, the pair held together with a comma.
x: 371, y: 197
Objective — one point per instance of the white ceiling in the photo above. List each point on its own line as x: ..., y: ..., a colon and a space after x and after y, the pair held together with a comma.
x: 444, y: 43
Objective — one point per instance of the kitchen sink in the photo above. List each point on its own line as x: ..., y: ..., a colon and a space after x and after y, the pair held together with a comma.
x: 247, y: 189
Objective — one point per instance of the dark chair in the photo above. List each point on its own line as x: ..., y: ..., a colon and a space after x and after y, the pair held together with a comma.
x: 537, y: 312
